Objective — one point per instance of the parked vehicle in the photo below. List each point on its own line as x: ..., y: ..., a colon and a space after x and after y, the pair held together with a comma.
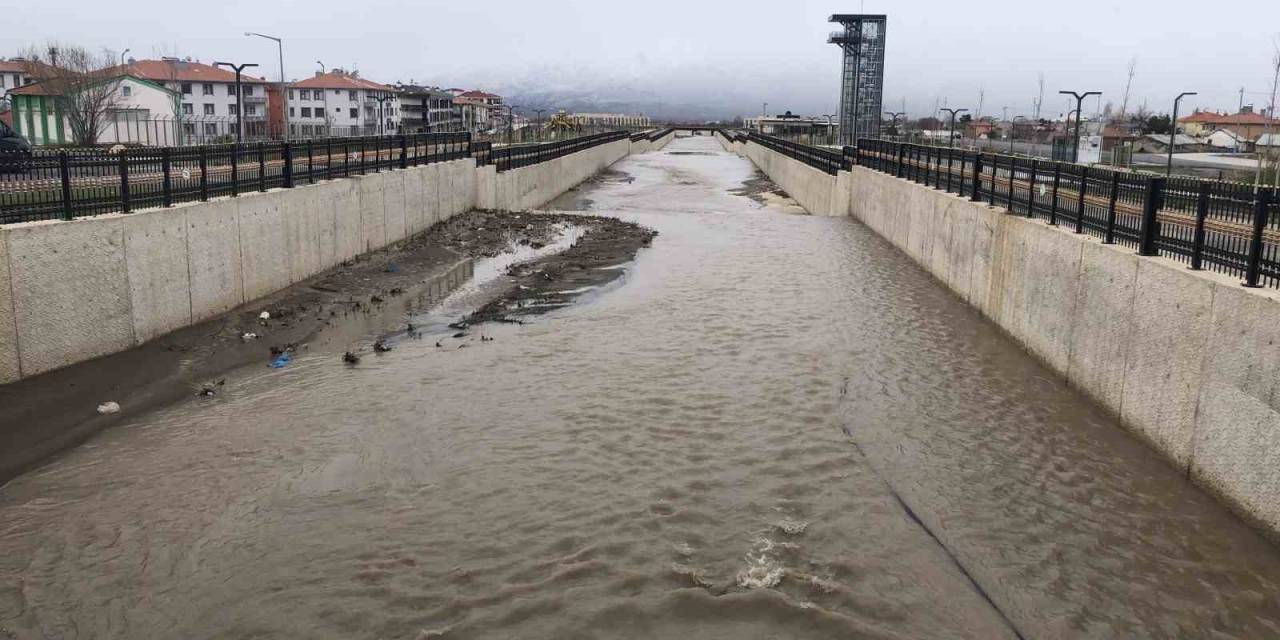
x: 15, y: 151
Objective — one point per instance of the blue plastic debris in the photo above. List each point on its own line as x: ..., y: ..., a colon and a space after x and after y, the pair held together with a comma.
x: 280, y: 361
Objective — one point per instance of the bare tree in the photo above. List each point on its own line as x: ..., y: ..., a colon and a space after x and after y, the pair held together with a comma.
x: 1128, y: 86
x: 84, y: 86
x: 1040, y: 99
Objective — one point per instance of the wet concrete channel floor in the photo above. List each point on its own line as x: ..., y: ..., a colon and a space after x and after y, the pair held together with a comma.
x: 770, y: 426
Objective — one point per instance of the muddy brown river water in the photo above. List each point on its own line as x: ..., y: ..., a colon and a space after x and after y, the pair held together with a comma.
x: 773, y: 426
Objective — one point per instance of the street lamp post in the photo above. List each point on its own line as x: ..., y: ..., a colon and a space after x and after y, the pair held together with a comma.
x: 381, y: 100
x: 511, y: 122
x: 1013, y: 131
x: 1075, y: 154
x: 538, y: 123
x: 284, y: 114
x: 1173, y: 129
x: 951, y: 133
x: 238, y: 68
x: 123, y: 54
x: 830, y: 139
x: 764, y: 111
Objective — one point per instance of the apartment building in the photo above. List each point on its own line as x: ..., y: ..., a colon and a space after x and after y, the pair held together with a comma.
x: 609, y: 119
x: 427, y: 110
x: 14, y: 73
x: 340, y: 102
x: 207, y: 104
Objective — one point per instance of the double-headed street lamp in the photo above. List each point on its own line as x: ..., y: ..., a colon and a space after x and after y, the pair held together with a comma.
x: 1075, y: 154
x: 284, y: 110
x: 1173, y: 128
x: 830, y: 138
x: 951, y: 132
x: 381, y: 100
x: 238, y: 68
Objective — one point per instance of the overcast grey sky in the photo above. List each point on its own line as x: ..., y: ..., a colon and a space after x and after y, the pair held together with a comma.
x: 732, y: 55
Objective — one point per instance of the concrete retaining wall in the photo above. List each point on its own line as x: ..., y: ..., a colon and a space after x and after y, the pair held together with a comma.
x: 75, y: 290
x: 1189, y: 361
x: 819, y: 192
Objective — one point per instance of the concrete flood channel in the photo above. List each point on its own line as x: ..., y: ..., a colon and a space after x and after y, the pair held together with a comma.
x: 770, y: 425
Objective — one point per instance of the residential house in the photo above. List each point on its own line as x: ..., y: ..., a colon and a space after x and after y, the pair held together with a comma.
x: 340, y: 102
x: 14, y: 73
x: 1227, y: 140
x: 1246, y: 123
x: 208, y: 109
x: 1159, y: 143
x: 139, y: 111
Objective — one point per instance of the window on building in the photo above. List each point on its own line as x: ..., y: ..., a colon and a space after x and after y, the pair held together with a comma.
x: 1, y: 80
x: 187, y: 109
x: 293, y: 94
x: 318, y: 94
x: 231, y: 109
x: 251, y: 109
x: 248, y: 89
x: 351, y: 95
x: 208, y: 109
x: 206, y: 89
x: 125, y: 90
x: 231, y: 89
x: 186, y: 88
x: 290, y: 112
x: 306, y: 112
x: 210, y: 129
x: 189, y: 128
x: 355, y: 113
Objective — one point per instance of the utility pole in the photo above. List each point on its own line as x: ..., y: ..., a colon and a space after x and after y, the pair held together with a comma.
x: 1173, y: 128
x: 1040, y: 100
x: 238, y: 68
x: 951, y: 133
x: 1075, y: 153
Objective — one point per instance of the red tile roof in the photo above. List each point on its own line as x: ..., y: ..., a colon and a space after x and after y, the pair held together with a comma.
x: 478, y: 95
x: 340, y: 80
x: 1209, y: 117
x: 182, y: 71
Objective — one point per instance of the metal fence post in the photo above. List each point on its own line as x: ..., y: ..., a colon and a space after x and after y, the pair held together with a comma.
x: 1261, y: 211
x: 125, y: 204
x: 404, y: 152
x: 262, y: 168
x: 1084, y: 187
x: 168, y: 179
x: 286, y: 153
x: 1053, y: 204
x: 1111, y: 209
x: 64, y: 169
x: 1031, y: 190
x: 1202, y: 213
x: 898, y: 160
x: 311, y: 163
x: 1150, y: 217
x: 977, y: 178
x: 204, y: 174
x: 235, y: 170
x: 1013, y: 166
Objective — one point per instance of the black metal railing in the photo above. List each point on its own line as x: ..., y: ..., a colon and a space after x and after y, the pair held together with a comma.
x: 1227, y: 227
x: 507, y: 158
x: 828, y: 160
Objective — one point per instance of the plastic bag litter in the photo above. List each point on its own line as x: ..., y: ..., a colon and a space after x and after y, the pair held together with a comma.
x: 265, y: 315
x: 108, y: 407
x: 280, y: 361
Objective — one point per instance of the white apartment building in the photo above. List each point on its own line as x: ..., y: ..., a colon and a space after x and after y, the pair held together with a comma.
x: 14, y: 73
x: 342, y: 103
x: 207, y: 95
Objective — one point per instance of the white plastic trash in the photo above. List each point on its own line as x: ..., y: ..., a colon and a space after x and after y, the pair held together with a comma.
x: 264, y: 316
x: 108, y: 407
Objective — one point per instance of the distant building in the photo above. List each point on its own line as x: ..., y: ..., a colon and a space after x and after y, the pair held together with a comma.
x: 343, y: 103
x: 474, y: 115
x: 1246, y: 123
x: 475, y: 95
x: 788, y: 124
x: 609, y: 119
x: 208, y: 107
x: 1159, y: 143
x: 14, y: 73
x: 427, y: 110
x: 140, y: 112
x: 1227, y: 140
